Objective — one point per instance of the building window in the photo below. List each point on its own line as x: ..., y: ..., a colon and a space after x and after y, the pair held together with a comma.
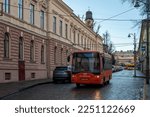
x: 78, y: 39
x: 20, y: 9
x: 32, y: 75
x: 42, y: 19
x: 7, y: 76
x: 82, y: 41
x: 55, y: 55
x: 21, y: 48
x: 66, y: 31
x: 70, y: 33
x: 66, y: 56
x: 6, y: 45
x: 85, y: 43
x: 32, y: 51
x: 62, y: 56
x: 74, y: 37
x: 90, y: 44
x: 31, y: 13
x: 60, y: 28
x: 54, y: 24
x: 6, y: 6
x: 42, y: 54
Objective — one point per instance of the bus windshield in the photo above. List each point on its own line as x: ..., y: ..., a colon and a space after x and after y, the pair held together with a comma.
x: 86, y: 62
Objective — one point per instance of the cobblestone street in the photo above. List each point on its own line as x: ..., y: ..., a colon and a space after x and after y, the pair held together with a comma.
x: 122, y: 87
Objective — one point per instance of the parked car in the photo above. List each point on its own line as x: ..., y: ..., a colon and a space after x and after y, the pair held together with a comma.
x: 62, y: 73
x: 114, y: 68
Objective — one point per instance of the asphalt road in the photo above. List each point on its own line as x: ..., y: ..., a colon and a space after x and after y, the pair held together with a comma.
x: 122, y: 87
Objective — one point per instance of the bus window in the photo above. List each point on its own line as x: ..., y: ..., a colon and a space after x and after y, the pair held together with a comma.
x: 86, y: 62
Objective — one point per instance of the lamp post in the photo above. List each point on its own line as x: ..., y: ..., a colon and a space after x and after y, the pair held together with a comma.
x: 134, y: 52
x: 147, y: 5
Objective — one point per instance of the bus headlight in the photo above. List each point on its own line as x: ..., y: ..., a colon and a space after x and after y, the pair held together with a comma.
x: 97, y: 77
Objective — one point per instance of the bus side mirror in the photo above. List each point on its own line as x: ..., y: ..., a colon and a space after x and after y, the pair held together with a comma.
x: 68, y: 58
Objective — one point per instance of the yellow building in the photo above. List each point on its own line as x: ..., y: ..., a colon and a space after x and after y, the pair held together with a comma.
x: 38, y: 35
x: 124, y: 57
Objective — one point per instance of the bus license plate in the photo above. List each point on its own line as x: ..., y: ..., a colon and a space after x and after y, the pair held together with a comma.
x: 84, y: 79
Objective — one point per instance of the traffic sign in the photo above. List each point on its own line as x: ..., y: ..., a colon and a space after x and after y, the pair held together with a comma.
x: 143, y: 48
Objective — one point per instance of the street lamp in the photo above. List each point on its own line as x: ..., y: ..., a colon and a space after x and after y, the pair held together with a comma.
x: 134, y: 52
x: 147, y: 5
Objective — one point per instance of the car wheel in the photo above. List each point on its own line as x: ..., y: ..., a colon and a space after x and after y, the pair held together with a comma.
x: 55, y: 81
x: 69, y: 80
x: 78, y: 85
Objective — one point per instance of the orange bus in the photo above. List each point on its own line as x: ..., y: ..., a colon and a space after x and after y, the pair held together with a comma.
x: 91, y: 67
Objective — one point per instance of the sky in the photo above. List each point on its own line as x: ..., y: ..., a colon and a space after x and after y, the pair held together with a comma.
x: 104, y: 9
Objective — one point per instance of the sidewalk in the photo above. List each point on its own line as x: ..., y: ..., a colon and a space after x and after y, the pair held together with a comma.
x: 146, y: 92
x: 146, y: 89
x: 13, y: 87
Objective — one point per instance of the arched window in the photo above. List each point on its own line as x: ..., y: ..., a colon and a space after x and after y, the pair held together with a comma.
x: 42, y: 54
x: 21, y: 48
x: 55, y: 55
x: 6, y: 45
x: 32, y: 51
x: 62, y: 56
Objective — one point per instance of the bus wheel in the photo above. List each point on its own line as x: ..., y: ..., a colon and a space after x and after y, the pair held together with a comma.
x: 103, y: 81
x: 108, y: 82
x: 78, y: 85
x: 109, y: 79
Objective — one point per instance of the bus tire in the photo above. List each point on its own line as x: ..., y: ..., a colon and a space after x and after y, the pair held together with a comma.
x: 109, y: 79
x: 103, y: 83
x: 78, y: 85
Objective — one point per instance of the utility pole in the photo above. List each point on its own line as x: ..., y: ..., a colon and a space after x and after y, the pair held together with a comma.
x: 134, y: 52
x: 134, y: 55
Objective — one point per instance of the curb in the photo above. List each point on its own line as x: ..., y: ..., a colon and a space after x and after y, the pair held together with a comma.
x: 145, y: 92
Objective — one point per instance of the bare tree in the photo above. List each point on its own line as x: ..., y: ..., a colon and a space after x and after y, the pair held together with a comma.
x: 111, y: 48
x: 143, y: 5
x: 108, y: 45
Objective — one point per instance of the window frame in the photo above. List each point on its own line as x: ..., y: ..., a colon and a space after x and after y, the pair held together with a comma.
x: 21, y: 49
x: 61, y: 27
x: 6, y: 45
x: 54, y: 24
x: 6, y: 6
x: 32, y: 51
x: 32, y: 7
x: 20, y: 9
x: 66, y: 31
x: 42, y: 54
x: 42, y: 18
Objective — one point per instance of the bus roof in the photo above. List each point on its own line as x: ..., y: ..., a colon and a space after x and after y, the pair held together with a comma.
x: 82, y: 51
x: 94, y: 51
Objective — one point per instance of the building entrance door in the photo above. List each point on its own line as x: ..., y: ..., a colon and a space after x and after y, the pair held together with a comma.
x: 21, y: 70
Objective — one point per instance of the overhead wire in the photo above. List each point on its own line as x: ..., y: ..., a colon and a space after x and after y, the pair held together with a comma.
x: 71, y: 15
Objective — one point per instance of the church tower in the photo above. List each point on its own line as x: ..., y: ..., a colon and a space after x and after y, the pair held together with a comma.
x: 89, y: 19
